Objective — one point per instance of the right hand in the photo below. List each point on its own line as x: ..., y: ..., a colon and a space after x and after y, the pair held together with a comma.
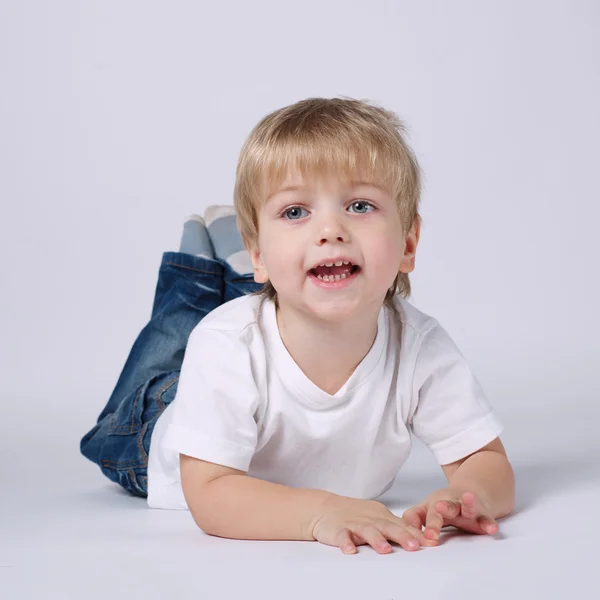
x: 350, y: 522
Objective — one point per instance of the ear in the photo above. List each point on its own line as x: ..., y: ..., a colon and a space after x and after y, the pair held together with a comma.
x: 407, y: 263
x: 260, y: 271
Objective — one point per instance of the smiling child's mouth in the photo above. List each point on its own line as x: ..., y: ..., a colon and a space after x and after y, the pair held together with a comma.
x: 334, y: 273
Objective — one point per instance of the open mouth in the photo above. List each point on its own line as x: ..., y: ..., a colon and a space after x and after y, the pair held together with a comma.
x: 335, y: 272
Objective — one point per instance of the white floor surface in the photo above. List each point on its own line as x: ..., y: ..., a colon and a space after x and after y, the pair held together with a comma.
x: 66, y: 532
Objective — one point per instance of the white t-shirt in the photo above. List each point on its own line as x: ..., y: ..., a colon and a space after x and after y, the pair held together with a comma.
x: 244, y: 403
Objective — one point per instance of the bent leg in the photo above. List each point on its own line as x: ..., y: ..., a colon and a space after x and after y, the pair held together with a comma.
x: 237, y: 284
x: 188, y: 288
x: 119, y: 443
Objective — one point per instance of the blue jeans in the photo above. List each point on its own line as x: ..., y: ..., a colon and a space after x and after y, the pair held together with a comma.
x: 188, y: 288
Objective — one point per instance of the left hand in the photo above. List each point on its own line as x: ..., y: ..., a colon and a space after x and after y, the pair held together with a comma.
x: 462, y: 509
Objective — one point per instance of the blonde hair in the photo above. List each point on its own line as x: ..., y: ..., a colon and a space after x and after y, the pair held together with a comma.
x: 324, y: 136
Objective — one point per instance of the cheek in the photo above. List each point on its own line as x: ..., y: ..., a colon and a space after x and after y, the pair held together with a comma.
x: 385, y: 253
x: 279, y: 252
x: 386, y: 240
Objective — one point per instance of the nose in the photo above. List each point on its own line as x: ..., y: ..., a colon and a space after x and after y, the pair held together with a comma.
x: 330, y: 228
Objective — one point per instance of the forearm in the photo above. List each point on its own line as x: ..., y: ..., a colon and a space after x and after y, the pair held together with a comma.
x: 489, y: 475
x: 242, y: 507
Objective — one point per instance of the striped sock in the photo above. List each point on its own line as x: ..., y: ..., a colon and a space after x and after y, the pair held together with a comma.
x: 226, y: 238
x: 195, y: 239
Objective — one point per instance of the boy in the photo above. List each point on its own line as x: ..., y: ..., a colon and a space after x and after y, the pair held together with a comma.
x: 295, y: 400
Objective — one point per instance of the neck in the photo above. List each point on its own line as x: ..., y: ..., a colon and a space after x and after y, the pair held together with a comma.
x: 326, y: 351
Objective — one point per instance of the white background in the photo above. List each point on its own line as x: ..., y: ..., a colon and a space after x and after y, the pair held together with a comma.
x: 118, y: 119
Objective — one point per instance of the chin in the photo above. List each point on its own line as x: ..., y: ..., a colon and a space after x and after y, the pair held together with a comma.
x: 334, y: 311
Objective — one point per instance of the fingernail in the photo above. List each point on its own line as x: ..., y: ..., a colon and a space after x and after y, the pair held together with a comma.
x: 413, y: 543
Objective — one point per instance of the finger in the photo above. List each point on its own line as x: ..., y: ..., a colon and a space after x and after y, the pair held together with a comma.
x: 488, y: 525
x: 374, y: 538
x: 415, y: 532
x: 433, y: 523
x: 418, y: 533
x: 399, y: 534
x: 415, y: 516
x: 449, y: 509
x: 469, y: 506
x: 356, y: 539
x: 344, y: 541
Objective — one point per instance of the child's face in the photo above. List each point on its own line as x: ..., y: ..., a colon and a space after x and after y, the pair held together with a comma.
x: 322, y: 221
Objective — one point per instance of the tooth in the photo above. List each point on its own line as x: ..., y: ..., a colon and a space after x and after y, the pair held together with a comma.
x: 329, y: 264
x: 343, y: 276
x: 346, y: 262
x: 339, y: 263
x: 338, y: 277
x: 320, y: 277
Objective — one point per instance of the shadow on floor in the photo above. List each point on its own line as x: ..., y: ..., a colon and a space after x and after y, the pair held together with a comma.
x: 533, y: 482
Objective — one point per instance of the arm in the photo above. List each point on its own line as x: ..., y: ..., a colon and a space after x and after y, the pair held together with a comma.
x: 488, y: 474
x: 454, y: 419
x: 481, y: 489
x: 227, y: 503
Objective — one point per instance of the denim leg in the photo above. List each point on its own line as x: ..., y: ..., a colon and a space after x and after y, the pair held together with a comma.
x: 119, y: 443
x: 188, y: 288
x: 236, y: 285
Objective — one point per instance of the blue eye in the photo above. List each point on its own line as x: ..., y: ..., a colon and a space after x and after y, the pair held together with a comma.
x: 365, y: 204
x: 296, y: 209
x: 294, y: 213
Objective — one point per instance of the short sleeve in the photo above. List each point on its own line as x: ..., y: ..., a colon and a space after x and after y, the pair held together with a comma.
x: 213, y: 413
x: 452, y: 415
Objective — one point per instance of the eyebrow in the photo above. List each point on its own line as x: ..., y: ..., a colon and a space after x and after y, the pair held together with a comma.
x: 353, y: 184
